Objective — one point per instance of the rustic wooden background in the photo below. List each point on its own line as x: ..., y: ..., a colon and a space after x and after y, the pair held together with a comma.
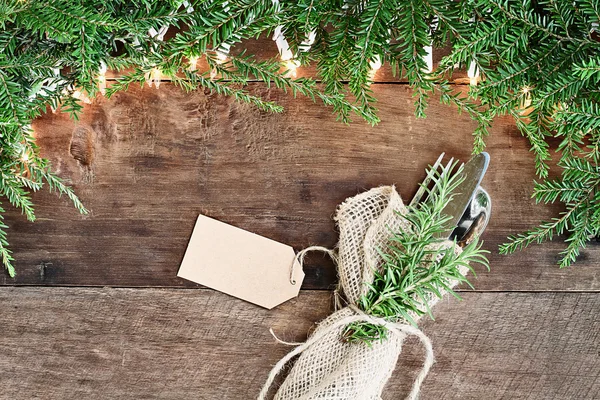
x: 97, y: 311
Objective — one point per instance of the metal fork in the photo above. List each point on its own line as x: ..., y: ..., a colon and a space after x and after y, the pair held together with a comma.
x: 474, y: 220
x: 423, y: 187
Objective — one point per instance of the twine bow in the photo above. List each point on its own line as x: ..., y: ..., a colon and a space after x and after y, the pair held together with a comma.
x: 399, y: 329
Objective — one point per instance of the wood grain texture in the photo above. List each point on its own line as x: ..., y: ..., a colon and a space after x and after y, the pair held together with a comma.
x: 148, y: 161
x: 63, y: 343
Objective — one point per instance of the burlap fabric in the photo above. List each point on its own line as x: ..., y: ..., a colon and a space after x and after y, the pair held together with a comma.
x: 329, y: 367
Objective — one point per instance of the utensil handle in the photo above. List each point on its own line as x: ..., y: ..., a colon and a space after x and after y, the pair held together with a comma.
x: 475, y: 230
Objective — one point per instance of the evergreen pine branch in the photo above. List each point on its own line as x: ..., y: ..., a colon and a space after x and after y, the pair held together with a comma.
x: 448, y: 14
x: 333, y: 66
x: 219, y: 86
x: 547, y: 46
x: 529, y: 18
x: 508, y: 73
x: 413, y: 34
x: 578, y: 189
x: 589, y: 70
x: 590, y: 8
x: 469, y: 47
x: 214, y: 26
x: 43, y: 173
x: 465, y: 104
x: 269, y: 72
x: 9, y: 99
x: 13, y: 190
x: 534, y: 128
x: 5, y: 253
x: 299, y: 19
x: 580, y: 117
x: 565, y: 88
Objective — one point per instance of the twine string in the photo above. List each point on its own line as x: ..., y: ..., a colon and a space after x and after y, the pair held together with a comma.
x: 299, y: 259
x: 394, y: 327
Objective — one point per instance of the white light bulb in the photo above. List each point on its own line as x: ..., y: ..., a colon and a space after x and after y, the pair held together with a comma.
x: 153, y: 77
x: 193, y: 62
x: 292, y: 66
x: 102, y: 78
x: 375, y: 65
x: 156, y: 75
x: 428, y: 57
x: 308, y: 42
x: 223, y: 52
x: 79, y: 95
x: 282, y: 45
x: 473, y: 73
x: 526, y: 101
x: 285, y: 53
x: 221, y: 57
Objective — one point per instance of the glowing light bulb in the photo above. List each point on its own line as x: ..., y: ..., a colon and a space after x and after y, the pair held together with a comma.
x: 292, y: 66
x: 473, y: 73
x: 375, y: 65
x: 156, y: 75
x: 102, y: 78
x: 282, y: 44
x: 428, y: 57
x: 526, y: 100
x: 193, y: 62
x: 79, y: 95
x: 153, y: 77
x: 221, y: 57
x: 102, y: 84
x: 285, y: 53
x: 308, y: 42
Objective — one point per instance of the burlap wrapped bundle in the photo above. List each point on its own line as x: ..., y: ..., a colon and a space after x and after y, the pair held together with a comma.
x: 329, y: 367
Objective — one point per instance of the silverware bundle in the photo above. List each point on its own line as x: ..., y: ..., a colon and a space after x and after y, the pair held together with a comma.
x: 470, y: 207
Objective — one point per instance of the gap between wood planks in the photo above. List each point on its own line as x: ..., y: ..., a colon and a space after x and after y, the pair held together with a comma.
x: 202, y: 288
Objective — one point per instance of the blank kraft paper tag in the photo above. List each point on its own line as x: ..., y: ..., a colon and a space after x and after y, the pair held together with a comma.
x: 240, y: 263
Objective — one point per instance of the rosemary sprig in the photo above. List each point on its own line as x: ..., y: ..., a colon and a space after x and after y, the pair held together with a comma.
x: 416, y: 264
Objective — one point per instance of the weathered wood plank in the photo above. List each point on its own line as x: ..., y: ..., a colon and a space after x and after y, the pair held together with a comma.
x: 60, y: 343
x: 148, y: 161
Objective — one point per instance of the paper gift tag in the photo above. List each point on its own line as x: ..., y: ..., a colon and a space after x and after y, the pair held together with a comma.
x: 240, y: 263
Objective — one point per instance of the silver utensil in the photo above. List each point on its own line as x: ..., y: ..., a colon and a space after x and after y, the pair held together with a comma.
x: 423, y: 187
x: 475, y: 219
x: 472, y: 174
x: 471, y: 205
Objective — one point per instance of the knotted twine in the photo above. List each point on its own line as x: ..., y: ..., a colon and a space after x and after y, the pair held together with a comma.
x: 328, y: 366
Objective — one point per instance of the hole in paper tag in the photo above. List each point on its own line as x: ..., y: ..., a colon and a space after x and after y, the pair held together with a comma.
x: 240, y: 263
